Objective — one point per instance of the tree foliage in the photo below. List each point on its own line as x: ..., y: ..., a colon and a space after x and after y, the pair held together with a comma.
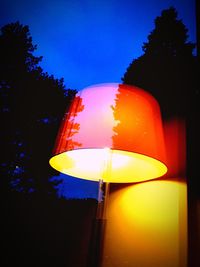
x: 33, y: 104
x: 167, y: 69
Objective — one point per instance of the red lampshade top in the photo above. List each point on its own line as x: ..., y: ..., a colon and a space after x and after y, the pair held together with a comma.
x: 111, y: 132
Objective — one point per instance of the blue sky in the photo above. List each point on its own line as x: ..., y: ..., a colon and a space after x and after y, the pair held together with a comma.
x: 88, y: 42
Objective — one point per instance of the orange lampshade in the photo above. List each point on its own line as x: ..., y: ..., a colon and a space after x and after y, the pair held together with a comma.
x: 112, y: 132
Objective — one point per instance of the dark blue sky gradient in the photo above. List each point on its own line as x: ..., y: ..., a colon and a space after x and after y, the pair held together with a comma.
x: 89, y: 42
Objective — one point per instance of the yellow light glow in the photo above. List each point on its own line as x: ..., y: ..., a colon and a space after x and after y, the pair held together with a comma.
x: 147, y: 225
x: 115, y: 166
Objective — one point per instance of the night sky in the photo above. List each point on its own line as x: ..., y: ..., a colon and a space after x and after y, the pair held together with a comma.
x: 89, y: 42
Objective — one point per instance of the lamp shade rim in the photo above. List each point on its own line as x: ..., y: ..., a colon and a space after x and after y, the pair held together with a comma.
x: 116, y: 85
x: 121, y: 167
x: 112, y: 149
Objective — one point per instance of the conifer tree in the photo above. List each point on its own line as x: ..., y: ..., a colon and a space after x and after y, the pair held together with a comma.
x: 167, y: 69
x: 32, y: 107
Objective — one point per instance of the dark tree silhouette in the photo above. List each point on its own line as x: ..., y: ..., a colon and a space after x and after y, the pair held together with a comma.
x: 167, y: 67
x: 169, y: 70
x: 32, y: 107
x: 38, y: 228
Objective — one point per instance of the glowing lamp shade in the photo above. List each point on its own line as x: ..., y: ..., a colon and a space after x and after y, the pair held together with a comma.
x: 112, y: 132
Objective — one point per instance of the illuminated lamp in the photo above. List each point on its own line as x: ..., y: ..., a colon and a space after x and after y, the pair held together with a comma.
x: 111, y: 133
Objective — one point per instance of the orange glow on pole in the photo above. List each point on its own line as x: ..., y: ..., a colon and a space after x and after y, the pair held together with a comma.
x: 115, y: 121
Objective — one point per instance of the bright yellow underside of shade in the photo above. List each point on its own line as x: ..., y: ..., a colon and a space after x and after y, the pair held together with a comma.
x: 113, y: 166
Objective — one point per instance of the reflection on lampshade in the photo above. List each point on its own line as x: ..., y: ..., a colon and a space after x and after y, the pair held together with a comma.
x: 112, y: 132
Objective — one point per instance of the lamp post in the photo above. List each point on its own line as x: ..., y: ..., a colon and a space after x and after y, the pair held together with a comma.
x: 111, y: 134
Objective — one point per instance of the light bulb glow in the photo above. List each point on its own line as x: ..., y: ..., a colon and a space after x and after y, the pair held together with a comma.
x: 92, y: 164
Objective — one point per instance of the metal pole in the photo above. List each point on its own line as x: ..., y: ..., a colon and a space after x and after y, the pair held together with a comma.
x: 97, y: 242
